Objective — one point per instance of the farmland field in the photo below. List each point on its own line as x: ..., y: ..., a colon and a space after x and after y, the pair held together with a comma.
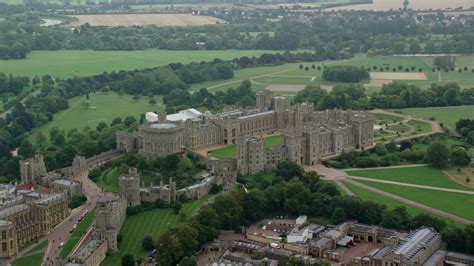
x: 379, y: 5
x: 152, y: 223
x: 69, y: 63
x: 446, y: 115
x: 391, y: 203
x: 103, y: 108
x: 160, y: 20
x: 454, y: 203
x: 427, y: 176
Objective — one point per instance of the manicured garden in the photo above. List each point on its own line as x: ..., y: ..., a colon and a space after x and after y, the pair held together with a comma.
x: 152, y: 223
x: 77, y: 234
x: 230, y: 151
x: 426, y: 176
x: 454, y: 203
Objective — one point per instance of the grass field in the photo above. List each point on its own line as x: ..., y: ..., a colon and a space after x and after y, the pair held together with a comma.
x: 454, y: 203
x: 446, y: 115
x: 77, y: 234
x: 390, y: 203
x: 230, y: 151
x: 103, y: 108
x: 69, y: 63
x: 109, y: 180
x: 291, y: 74
x: 426, y: 176
x: 34, y: 257
x: 152, y: 223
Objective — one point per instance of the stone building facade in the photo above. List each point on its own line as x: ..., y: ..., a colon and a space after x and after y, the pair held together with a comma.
x: 8, y: 239
x: 129, y: 186
x: 307, y: 135
x: 108, y: 220
x: 32, y: 169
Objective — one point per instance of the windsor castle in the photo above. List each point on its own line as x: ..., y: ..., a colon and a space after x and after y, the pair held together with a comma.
x: 307, y: 136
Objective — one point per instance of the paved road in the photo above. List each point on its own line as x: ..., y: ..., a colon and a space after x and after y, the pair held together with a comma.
x: 412, y: 185
x: 61, y: 233
x: 411, y: 203
x: 331, y: 174
x: 386, y: 167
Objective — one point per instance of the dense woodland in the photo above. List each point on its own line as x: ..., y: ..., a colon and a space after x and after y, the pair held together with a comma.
x: 330, y: 35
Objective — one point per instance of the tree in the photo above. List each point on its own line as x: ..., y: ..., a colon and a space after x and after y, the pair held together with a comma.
x: 288, y: 170
x: 128, y: 260
x: 136, y: 97
x: 188, y: 261
x: 147, y: 243
x: 437, y: 155
x: 460, y: 157
x: 168, y: 249
x: 254, y: 205
x: 187, y: 238
x: 152, y: 101
x: 338, y: 216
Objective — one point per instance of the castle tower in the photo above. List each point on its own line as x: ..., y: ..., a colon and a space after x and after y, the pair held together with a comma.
x: 129, y: 186
x: 280, y: 104
x: 79, y: 164
x: 310, y: 145
x: 172, y: 186
x: 292, y: 140
x: 250, y: 155
x: 32, y: 168
x: 263, y: 100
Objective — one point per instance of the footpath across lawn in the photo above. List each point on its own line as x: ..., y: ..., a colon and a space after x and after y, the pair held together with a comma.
x: 426, y: 176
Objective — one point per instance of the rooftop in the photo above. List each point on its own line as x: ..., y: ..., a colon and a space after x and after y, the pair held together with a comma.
x: 184, y: 115
x: 163, y: 126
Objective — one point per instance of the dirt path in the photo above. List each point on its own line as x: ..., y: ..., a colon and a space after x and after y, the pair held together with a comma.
x: 411, y: 203
x: 412, y: 185
x: 344, y: 187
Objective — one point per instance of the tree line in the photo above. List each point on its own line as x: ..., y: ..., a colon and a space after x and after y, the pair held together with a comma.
x: 332, y: 36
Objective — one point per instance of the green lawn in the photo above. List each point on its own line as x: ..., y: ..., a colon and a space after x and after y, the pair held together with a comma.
x: 446, y: 115
x: 391, y: 203
x: 230, y: 151
x: 34, y: 257
x: 454, y: 203
x: 109, y: 180
x: 77, y: 234
x: 69, y: 63
x: 103, y: 108
x: 386, y: 118
x: 420, y: 126
x: 426, y: 176
x: 152, y: 223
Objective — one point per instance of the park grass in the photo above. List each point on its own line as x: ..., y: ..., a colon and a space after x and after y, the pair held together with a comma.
x: 152, y: 223
x: 70, y: 63
x: 391, y: 203
x: 267, y: 176
x: 421, y: 127
x: 34, y: 257
x: 426, y: 176
x: 103, y: 108
x: 454, y: 203
x: 446, y: 115
x: 230, y: 152
x: 77, y: 234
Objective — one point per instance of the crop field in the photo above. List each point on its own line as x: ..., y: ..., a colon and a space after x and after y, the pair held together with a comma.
x: 446, y: 115
x: 426, y: 176
x: 69, y: 63
x: 454, y: 203
x: 160, y: 20
x: 102, y: 108
x: 384, y: 5
x: 230, y: 151
x: 152, y: 223
x: 391, y: 203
